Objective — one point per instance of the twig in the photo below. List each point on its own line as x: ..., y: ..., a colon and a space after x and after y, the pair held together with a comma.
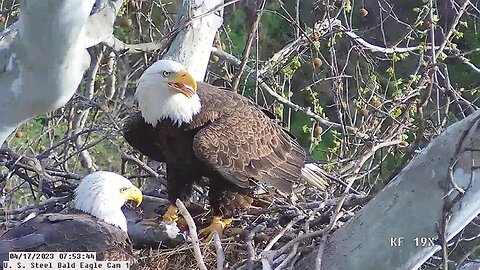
x: 367, y: 46
x: 452, y: 28
x: 248, y: 45
x: 112, y: 76
x: 443, y: 237
x: 367, y: 155
x: 250, y: 247
x: 282, y: 232
x: 305, y: 236
x: 120, y: 47
x: 81, y: 117
x: 288, y: 258
x: 321, y: 248
x: 434, y: 80
x: 328, y: 124
x: 193, y: 234
x: 145, y: 167
x: 64, y: 140
x: 219, y: 250
x: 51, y: 200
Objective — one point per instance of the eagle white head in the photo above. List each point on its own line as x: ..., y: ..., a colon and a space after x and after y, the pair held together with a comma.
x: 102, y: 194
x: 167, y: 90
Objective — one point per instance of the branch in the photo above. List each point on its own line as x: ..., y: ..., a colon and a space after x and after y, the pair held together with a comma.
x: 327, y: 124
x: 452, y: 28
x: 192, y: 44
x: 44, y: 63
x: 364, y: 242
x: 219, y: 250
x: 100, y: 25
x: 193, y: 234
x: 248, y: 45
x: 386, y: 50
x: 23, y: 209
x: 119, y: 46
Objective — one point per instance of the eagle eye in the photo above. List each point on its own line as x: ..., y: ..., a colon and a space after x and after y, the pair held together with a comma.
x: 123, y: 189
x: 166, y: 74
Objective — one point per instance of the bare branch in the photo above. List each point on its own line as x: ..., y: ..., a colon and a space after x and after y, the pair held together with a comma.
x: 193, y: 234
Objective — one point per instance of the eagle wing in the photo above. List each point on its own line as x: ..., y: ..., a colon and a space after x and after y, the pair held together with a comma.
x: 141, y: 136
x: 68, y: 233
x: 245, y: 144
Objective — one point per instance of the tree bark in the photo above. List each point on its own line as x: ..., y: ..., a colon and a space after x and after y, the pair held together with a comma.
x: 411, y: 207
x: 193, y: 44
x: 43, y: 56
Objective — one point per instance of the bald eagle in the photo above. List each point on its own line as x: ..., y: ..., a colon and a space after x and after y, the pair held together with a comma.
x: 200, y: 130
x: 96, y: 224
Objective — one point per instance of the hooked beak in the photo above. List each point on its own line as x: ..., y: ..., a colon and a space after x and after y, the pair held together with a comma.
x: 183, y: 82
x: 133, y: 194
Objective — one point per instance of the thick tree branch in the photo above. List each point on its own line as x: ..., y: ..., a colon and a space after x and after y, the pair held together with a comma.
x: 412, y: 207
x: 192, y: 45
x: 44, y: 56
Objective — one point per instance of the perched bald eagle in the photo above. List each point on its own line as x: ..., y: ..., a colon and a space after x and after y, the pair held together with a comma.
x: 96, y: 224
x: 200, y: 130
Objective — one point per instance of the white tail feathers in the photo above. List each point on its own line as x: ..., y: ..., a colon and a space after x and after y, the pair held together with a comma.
x: 314, y: 175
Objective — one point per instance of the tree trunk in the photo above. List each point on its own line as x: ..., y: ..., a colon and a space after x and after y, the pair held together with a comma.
x: 43, y: 56
x: 394, y: 229
x: 193, y: 44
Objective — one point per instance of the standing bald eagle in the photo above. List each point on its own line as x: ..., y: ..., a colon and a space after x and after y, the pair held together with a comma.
x: 200, y: 131
x: 96, y: 224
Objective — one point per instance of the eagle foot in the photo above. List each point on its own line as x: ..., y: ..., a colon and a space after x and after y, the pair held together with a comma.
x: 218, y: 225
x: 171, y: 214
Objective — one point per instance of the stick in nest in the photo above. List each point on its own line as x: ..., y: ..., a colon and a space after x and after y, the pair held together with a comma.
x: 193, y: 234
x: 219, y: 250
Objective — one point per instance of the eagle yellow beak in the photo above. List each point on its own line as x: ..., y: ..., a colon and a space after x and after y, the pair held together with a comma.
x: 183, y: 82
x: 133, y: 194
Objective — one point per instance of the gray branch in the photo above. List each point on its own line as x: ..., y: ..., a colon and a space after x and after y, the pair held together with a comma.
x: 199, y: 21
x: 387, y: 233
x: 43, y: 56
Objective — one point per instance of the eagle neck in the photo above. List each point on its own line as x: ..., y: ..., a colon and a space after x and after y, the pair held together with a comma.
x: 101, y: 207
x: 116, y: 218
x: 159, y: 104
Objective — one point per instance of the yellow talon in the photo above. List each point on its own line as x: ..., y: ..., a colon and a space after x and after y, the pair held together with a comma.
x: 171, y: 214
x: 218, y: 225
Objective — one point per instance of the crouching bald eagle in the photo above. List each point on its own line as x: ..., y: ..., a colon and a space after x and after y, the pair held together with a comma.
x: 200, y: 130
x: 96, y: 224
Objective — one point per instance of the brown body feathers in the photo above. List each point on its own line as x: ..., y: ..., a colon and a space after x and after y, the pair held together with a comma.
x: 231, y: 141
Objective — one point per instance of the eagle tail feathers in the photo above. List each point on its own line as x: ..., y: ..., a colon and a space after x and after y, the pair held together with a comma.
x: 314, y: 175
